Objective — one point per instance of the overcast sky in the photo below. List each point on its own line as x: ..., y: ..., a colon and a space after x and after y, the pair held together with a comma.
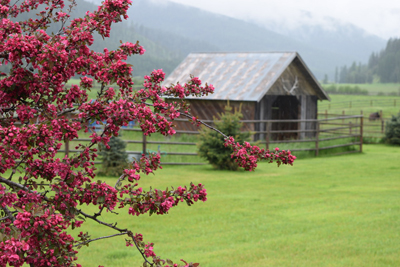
x: 381, y: 17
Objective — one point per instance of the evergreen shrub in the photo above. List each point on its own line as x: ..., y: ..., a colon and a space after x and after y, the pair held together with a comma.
x: 392, y: 131
x: 211, y: 145
x: 113, y: 159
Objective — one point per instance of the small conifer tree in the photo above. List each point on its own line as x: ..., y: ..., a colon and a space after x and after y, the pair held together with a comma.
x: 392, y: 131
x: 211, y: 145
x: 114, y: 158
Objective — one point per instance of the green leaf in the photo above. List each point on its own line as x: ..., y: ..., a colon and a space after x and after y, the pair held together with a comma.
x: 38, y: 212
x: 101, y: 199
x: 19, y: 209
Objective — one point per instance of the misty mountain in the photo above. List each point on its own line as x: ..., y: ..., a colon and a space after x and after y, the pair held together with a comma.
x: 169, y: 31
x: 323, y: 46
x: 228, y: 34
x: 332, y: 34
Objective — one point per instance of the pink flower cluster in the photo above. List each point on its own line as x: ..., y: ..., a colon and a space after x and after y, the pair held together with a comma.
x: 247, y: 155
x: 42, y: 240
x: 160, y: 201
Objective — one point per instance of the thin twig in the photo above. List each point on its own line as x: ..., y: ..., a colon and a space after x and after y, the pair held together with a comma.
x: 114, y: 226
x: 4, y: 218
x: 103, y: 237
x: 205, y: 124
x: 188, y: 115
x: 20, y: 186
x: 66, y: 111
x: 119, y: 180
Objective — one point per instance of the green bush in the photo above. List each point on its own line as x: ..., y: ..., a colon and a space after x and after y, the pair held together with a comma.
x: 114, y: 159
x: 392, y: 131
x: 211, y: 145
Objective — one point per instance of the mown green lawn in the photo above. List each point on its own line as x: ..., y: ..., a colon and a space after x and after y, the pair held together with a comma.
x: 331, y: 211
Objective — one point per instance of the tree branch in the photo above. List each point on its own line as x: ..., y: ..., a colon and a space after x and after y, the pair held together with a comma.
x: 103, y: 237
x: 188, y: 115
x: 205, y: 124
x: 9, y: 214
x: 125, y: 231
x: 4, y: 218
x: 13, y: 184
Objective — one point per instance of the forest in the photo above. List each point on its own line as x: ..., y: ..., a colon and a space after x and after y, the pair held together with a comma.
x: 383, y: 67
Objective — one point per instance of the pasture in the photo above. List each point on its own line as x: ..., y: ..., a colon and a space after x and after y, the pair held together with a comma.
x: 353, y: 104
x: 373, y: 88
x: 330, y: 211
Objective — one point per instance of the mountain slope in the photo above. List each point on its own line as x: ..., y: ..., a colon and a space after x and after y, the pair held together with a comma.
x: 332, y: 34
x: 229, y: 34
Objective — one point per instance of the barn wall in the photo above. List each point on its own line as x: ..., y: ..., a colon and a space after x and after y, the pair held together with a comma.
x: 308, y: 111
x: 295, y: 81
x: 296, y: 76
x: 263, y: 112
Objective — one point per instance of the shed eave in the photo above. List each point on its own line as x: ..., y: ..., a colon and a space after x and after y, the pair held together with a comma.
x: 314, y: 80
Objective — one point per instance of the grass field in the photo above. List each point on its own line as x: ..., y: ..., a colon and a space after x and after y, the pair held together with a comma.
x: 354, y: 104
x: 332, y: 211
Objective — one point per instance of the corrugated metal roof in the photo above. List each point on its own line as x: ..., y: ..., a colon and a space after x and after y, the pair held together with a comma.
x: 235, y: 76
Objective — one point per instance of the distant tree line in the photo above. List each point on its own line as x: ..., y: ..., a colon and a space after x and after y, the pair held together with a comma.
x: 344, y: 89
x: 383, y: 66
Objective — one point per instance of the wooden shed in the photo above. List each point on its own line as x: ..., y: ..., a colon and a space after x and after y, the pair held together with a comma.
x: 267, y: 86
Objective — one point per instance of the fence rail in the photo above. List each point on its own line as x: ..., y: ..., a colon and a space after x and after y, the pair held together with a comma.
x: 326, y: 133
x: 393, y: 102
x: 373, y: 128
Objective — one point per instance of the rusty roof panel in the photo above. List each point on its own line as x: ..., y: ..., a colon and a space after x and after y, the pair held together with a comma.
x: 235, y: 76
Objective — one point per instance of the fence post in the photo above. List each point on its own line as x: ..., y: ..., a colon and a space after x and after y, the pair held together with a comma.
x: 144, y: 145
x: 361, y: 132
x: 382, y: 126
x: 350, y: 126
x: 343, y: 114
x: 350, y: 104
x: 326, y: 114
x: 317, y: 140
x: 66, y: 147
x: 267, y: 135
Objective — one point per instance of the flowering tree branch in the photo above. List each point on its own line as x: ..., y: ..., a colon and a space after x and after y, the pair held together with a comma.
x: 43, y: 197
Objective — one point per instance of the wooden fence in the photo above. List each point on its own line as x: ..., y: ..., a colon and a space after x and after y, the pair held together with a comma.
x: 327, y: 134
x: 373, y: 128
x: 389, y: 102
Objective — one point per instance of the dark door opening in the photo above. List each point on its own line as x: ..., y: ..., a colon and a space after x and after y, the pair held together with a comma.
x: 285, y: 108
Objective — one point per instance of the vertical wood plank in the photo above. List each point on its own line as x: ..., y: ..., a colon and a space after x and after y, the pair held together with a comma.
x: 144, y: 145
x: 317, y: 140
x: 67, y: 147
x: 267, y: 135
